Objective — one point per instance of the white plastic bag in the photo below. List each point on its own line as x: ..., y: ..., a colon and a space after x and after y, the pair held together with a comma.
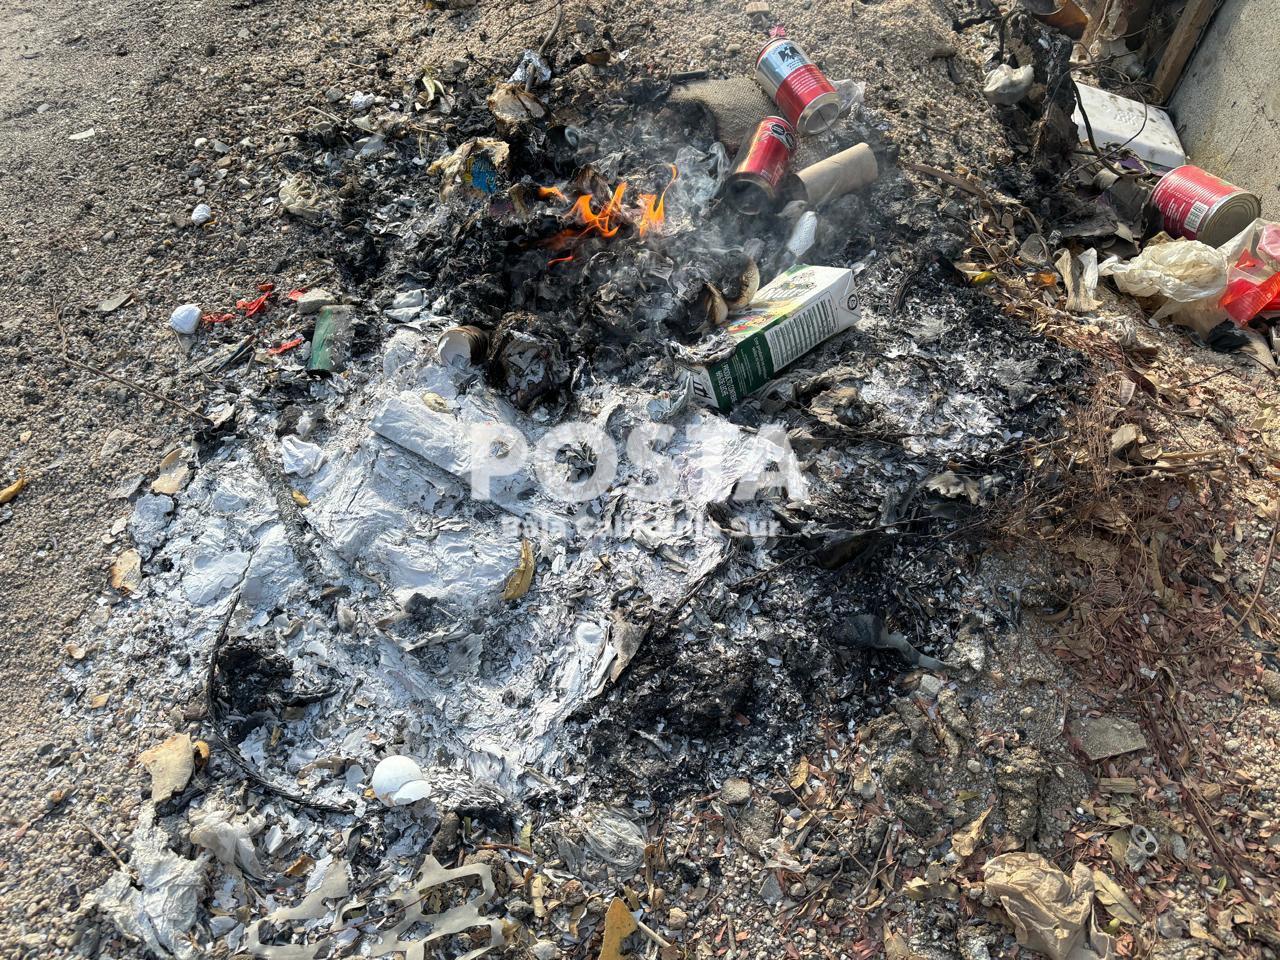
x: 1190, y: 275
x: 1182, y: 270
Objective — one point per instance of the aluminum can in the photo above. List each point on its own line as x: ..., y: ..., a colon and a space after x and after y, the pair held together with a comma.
x: 752, y: 187
x: 802, y: 92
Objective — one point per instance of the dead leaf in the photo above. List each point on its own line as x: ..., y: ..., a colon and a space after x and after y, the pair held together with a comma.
x: 300, y: 498
x: 965, y: 841
x: 1124, y: 437
x: 618, y: 925
x: 800, y: 774
x: 170, y: 764
x: 1112, y: 896
x: 538, y: 894
x: 300, y: 867
x: 519, y: 582
x: 173, y: 475
x: 13, y: 489
x: 98, y: 701
x: 76, y: 651
x: 1118, y: 846
x: 201, y: 751
x: 896, y: 947
x: 126, y: 572
x: 950, y: 484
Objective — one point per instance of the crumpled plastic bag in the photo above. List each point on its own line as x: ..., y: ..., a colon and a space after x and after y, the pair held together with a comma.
x: 1182, y: 270
x: 1006, y: 85
x: 165, y: 903
x: 1190, y: 275
x: 216, y: 828
x: 1051, y: 912
x: 475, y: 168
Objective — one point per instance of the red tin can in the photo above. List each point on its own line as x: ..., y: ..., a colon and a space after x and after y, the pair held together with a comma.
x: 801, y: 91
x: 761, y: 165
x: 1198, y: 206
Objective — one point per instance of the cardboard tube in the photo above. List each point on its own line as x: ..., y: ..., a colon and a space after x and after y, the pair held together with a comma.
x: 839, y: 174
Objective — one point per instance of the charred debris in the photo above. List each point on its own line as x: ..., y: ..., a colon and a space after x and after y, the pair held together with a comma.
x: 553, y: 249
x: 573, y: 222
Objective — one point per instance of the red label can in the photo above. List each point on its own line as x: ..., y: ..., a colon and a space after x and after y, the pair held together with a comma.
x: 1198, y: 206
x: 802, y: 92
x: 762, y: 163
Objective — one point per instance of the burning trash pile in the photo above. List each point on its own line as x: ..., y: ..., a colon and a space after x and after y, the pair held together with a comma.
x: 649, y: 428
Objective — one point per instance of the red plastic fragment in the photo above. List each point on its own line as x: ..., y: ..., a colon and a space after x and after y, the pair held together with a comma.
x: 287, y: 345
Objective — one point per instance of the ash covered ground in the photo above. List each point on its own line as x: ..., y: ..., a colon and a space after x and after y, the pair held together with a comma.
x: 327, y: 517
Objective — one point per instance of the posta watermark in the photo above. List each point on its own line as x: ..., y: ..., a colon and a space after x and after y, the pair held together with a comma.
x: 577, y: 462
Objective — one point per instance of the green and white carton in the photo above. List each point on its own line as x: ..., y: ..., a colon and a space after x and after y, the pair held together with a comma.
x: 798, y: 310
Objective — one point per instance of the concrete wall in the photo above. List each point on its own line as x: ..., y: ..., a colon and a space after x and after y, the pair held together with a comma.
x: 1228, y: 107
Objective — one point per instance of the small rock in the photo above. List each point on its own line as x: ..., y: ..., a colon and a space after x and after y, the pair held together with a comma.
x: 313, y: 300
x: 1104, y: 737
x: 735, y: 792
x: 1271, y: 685
x: 545, y: 950
x: 202, y: 214
x: 708, y: 41
x: 522, y: 910
x: 677, y: 919
x: 973, y: 766
x: 733, y: 49
x: 929, y: 686
x: 360, y: 102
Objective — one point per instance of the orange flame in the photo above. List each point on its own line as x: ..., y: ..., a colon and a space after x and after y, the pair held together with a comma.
x: 552, y: 193
x: 653, y: 206
x: 609, y: 220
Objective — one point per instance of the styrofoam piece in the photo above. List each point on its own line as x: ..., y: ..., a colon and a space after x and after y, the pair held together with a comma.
x: 1116, y: 120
